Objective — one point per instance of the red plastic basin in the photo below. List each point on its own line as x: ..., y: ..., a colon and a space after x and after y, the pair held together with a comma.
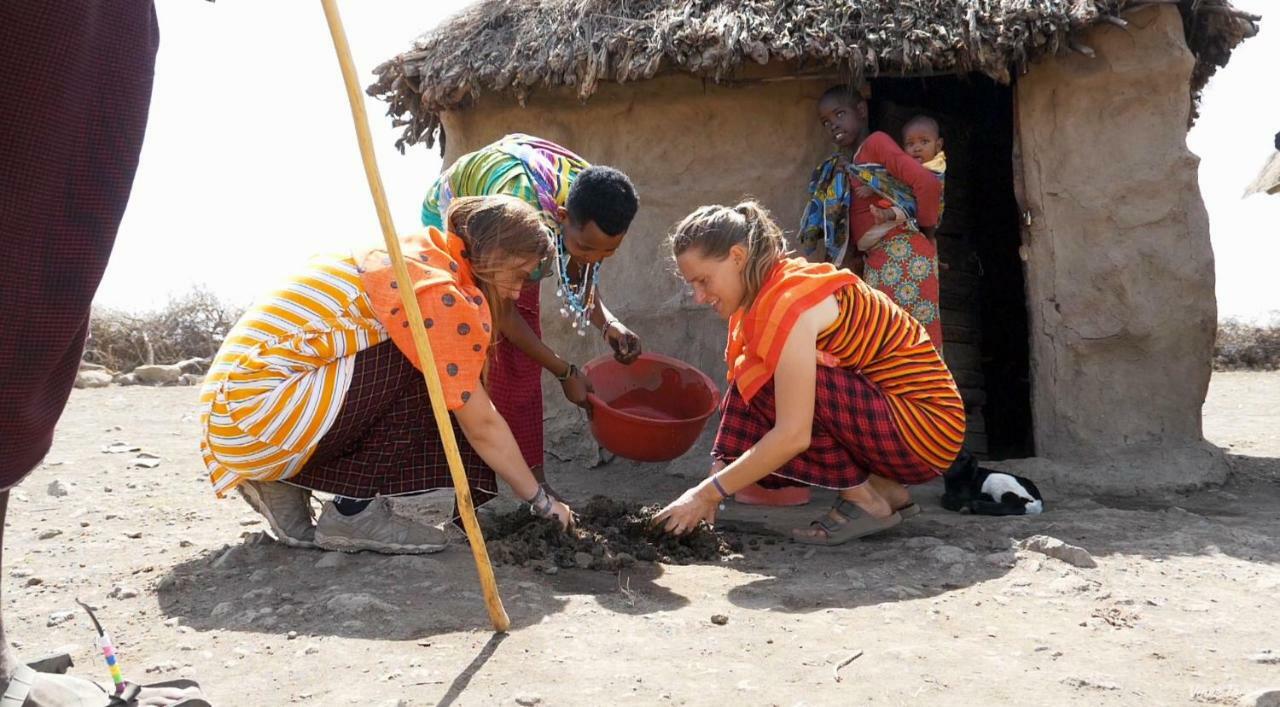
x: 652, y: 410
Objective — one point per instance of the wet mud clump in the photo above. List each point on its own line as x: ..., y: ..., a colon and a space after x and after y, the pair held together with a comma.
x: 609, y: 535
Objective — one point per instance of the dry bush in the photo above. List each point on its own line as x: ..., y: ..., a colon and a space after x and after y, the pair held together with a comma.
x: 190, y: 326
x: 1242, y: 346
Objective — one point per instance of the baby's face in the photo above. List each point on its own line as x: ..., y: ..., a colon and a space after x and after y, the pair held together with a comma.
x: 921, y: 142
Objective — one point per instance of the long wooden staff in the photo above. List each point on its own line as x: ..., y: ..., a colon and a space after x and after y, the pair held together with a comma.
x: 492, y: 601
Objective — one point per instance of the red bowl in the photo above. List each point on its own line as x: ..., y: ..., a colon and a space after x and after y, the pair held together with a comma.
x: 651, y: 410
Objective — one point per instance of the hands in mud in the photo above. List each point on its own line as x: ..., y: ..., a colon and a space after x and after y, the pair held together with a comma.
x: 694, y: 506
x: 545, y: 505
x: 563, y: 513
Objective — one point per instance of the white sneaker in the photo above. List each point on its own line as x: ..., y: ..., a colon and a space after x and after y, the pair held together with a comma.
x: 287, y: 510
x: 376, y: 528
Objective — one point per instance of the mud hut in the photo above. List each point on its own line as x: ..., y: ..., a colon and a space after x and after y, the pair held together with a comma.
x: 1078, y: 279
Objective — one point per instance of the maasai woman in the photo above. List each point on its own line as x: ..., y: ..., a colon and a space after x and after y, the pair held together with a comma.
x: 903, y: 262
x: 832, y: 384
x: 318, y: 386
x: 587, y: 210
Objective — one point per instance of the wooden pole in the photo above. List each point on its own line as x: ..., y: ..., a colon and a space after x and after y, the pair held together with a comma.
x: 466, y: 509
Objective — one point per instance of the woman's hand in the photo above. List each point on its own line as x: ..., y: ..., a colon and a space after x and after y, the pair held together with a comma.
x: 563, y: 513
x: 683, y: 514
x: 576, y: 387
x: 544, y: 505
x: 625, y: 343
x: 883, y: 215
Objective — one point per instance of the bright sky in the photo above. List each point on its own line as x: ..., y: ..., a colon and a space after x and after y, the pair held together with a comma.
x: 1234, y: 137
x: 250, y: 161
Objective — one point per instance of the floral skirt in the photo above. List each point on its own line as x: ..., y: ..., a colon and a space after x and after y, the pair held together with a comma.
x: 904, y: 266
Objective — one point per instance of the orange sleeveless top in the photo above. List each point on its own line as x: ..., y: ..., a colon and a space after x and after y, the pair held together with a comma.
x: 870, y: 334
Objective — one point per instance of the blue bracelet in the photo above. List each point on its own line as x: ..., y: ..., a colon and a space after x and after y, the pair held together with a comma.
x: 715, y: 481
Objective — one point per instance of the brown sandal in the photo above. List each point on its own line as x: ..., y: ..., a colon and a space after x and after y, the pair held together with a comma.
x: 858, y: 524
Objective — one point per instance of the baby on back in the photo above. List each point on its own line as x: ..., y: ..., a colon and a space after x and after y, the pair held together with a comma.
x: 922, y: 139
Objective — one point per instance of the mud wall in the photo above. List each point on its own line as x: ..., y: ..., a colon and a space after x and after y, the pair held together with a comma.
x: 1119, y: 268
x: 684, y: 143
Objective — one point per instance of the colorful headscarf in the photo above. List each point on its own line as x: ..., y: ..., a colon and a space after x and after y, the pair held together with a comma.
x: 549, y: 168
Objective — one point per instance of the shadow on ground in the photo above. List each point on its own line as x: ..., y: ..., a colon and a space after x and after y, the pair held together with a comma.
x: 939, y: 551
x: 258, y: 586
x: 263, y: 587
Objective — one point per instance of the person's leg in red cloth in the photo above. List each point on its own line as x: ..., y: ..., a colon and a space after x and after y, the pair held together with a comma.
x: 74, y: 97
x: 772, y: 490
x: 383, y: 443
x: 515, y: 386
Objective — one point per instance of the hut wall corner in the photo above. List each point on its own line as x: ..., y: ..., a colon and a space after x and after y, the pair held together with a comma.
x: 1120, y: 273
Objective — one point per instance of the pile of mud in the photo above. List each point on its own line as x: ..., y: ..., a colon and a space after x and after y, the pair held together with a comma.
x: 609, y: 535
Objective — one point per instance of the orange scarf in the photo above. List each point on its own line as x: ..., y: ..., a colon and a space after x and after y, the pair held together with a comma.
x: 757, y: 335
x: 453, y: 307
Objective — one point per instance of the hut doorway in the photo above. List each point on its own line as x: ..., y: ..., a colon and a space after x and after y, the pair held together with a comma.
x: 984, y: 302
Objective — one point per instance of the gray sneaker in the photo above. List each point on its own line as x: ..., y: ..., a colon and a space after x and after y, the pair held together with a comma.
x: 286, y: 508
x: 378, y: 529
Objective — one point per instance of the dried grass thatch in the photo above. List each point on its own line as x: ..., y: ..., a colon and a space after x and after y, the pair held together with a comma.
x: 517, y: 46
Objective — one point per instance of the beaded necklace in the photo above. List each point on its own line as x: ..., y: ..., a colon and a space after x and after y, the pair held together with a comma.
x: 578, y: 300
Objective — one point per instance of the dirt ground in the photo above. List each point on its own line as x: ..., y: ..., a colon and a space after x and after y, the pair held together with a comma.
x: 1181, y: 608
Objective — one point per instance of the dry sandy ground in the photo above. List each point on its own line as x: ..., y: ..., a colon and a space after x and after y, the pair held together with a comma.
x: 1181, y: 608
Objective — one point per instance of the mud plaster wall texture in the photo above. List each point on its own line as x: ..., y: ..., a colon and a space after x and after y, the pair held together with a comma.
x: 1120, y: 271
x: 684, y: 143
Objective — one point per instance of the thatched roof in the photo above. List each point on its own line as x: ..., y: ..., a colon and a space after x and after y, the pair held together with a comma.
x: 517, y: 46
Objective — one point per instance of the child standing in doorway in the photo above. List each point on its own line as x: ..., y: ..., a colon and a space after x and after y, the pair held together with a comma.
x: 904, y: 262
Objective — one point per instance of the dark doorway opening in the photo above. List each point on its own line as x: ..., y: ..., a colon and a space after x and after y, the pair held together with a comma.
x: 984, y: 301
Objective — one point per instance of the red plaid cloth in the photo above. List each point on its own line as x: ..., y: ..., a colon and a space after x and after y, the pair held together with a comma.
x: 74, y: 93
x: 854, y: 435
x: 385, y: 441
x: 515, y: 383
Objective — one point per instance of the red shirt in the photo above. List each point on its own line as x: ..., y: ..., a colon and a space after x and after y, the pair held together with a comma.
x: 879, y: 148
